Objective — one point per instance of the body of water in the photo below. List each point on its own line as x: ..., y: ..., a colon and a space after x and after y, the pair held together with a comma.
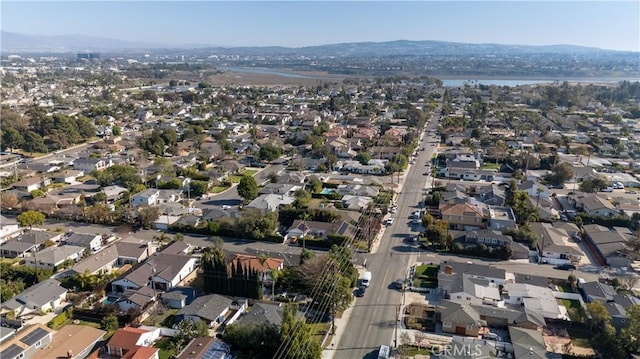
x: 265, y: 71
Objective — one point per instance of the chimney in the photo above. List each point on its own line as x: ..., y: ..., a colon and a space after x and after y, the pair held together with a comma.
x: 448, y: 269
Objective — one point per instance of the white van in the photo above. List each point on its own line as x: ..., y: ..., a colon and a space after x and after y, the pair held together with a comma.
x: 366, y: 279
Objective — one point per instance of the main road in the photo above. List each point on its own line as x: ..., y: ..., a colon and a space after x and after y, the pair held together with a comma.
x: 374, y: 317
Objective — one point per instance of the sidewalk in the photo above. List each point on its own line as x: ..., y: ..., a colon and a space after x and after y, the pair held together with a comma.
x: 341, y: 324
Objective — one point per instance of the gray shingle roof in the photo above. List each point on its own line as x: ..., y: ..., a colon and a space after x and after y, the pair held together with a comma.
x: 208, y: 307
x: 36, y: 296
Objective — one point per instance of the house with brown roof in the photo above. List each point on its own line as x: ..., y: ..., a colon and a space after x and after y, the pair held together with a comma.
x: 72, y: 342
x: 197, y: 348
x: 263, y: 267
x: 607, y: 245
x: 301, y: 228
x: 464, y: 216
x: 595, y: 205
x: 132, y: 343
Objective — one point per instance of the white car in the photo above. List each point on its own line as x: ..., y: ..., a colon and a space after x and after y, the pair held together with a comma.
x: 393, y: 210
x: 388, y: 221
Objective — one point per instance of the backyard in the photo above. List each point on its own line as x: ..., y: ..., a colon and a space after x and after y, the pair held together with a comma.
x: 426, y: 276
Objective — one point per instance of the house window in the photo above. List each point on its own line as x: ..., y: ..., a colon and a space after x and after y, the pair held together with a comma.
x: 38, y: 344
x: 446, y: 324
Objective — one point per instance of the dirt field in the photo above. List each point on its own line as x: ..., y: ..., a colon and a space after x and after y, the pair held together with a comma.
x: 247, y: 78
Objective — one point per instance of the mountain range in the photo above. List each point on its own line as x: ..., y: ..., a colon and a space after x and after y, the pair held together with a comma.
x: 22, y: 43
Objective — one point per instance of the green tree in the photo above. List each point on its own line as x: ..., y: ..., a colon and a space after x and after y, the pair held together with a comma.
x: 561, y: 173
x: 33, y: 142
x: 363, y: 158
x: 248, y: 188
x: 11, y: 138
x: 36, y: 193
x: 295, y: 337
x: 631, y: 333
x: 109, y: 323
x: 599, y: 314
x: 188, y: 330
x: 256, y: 340
x: 148, y: 215
x: 116, y: 130
x: 30, y: 218
x: 269, y: 152
x: 302, y: 198
x: 198, y: 188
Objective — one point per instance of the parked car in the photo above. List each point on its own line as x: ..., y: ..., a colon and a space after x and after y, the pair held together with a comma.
x: 632, y: 192
x: 360, y: 291
x: 565, y: 266
x: 399, y: 284
x: 388, y: 221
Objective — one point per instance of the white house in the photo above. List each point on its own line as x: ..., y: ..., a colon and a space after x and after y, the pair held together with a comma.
x: 91, y: 241
x: 41, y: 297
x: 53, y: 258
x: 148, y: 197
x: 8, y: 229
x: 91, y: 164
x: 161, y: 270
x: 69, y: 176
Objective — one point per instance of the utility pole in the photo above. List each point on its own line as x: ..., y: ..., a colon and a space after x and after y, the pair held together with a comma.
x: 395, y: 341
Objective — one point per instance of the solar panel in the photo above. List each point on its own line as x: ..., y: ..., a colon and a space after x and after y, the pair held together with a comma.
x: 217, y: 350
x: 11, y: 352
x: 34, y: 336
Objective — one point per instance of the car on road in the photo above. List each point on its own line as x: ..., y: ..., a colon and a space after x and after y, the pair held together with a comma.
x: 388, y: 221
x: 399, y: 284
x: 565, y: 266
x: 632, y: 192
x: 360, y: 291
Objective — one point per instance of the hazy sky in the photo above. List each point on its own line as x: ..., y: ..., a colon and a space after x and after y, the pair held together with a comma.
x: 610, y: 25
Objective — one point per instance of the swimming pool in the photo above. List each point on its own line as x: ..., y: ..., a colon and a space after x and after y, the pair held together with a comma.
x: 327, y: 191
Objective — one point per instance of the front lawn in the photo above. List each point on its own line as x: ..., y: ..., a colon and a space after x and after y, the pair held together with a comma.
x: 238, y: 177
x: 218, y: 189
x: 166, y: 350
x: 426, y: 276
x: 575, y: 311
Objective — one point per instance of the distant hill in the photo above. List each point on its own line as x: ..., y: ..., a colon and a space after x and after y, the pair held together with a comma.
x: 14, y: 42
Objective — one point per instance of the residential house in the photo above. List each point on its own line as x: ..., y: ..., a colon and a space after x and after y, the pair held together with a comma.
x: 169, y: 195
x: 536, y: 299
x: 87, y: 165
x: 492, y: 195
x: 136, y: 299
x: 595, y: 205
x: 113, y: 193
x: 71, y: 342
x: 9, y: 228
x: 165, y: 270
x: 452, y: 272
x: 133, y: 343
x: 25, y: 343
x: 262, y: 312
x: 211, y: 309
x: 263, y: 267
x: 487, y: 237
x: 373, y: 167
x: 54, y: 258
x: 356, y: 203
x: 553, y: 242
x: 460, y: 318
x: 92, y: 242
x: 146, y: 198
x: 32, y: 183
x: 114, y: 256
x: 597, y: 292
x: 41, y: 297
x: 178, y: 297
x: 464, y: 216
x: 609, y: 245
x: 280, y: 188
x: 530, y: 344
x: 501, y: 218
x: 358, y: 190
x: 534, y: 189
x: 27, y: 242
x: 271, y: 202
x: 301, y: 228
x: 199, y: 347
x: 69, y: 176
x: 384, y: 152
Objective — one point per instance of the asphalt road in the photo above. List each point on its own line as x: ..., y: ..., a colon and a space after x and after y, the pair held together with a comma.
x: 373, y: 319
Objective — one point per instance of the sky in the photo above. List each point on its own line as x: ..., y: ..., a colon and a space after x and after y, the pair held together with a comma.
x: 608, y: 24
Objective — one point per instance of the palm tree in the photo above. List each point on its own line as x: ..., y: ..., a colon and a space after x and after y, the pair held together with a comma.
x: 275, y: 275
x: 539, y: 191
x: 305, y: 217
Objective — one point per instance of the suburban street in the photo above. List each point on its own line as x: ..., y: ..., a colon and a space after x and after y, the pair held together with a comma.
x: 373, y: 319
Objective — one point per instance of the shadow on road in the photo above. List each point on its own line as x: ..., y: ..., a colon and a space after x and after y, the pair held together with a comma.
x: 406, y: 249
x: 223, y: 202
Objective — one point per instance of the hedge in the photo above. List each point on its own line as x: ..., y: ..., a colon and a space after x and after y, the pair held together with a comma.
x: 60, y: 319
